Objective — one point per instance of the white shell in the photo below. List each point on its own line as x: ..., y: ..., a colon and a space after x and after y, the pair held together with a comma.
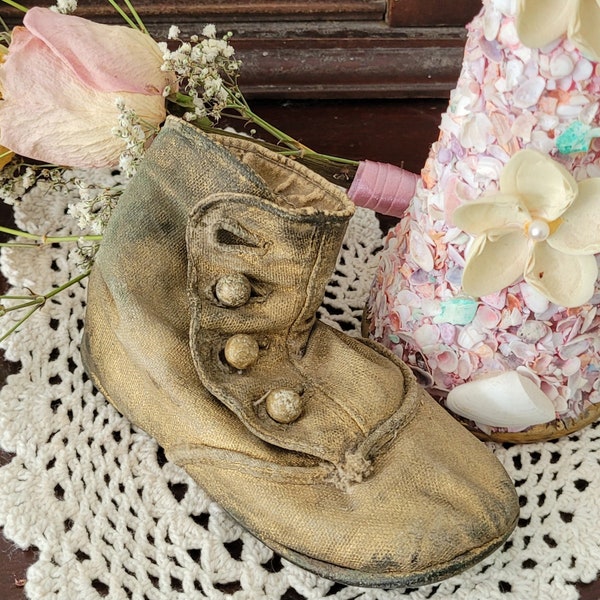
x: 583, y: 70
x: 420, y: 251
x: 469, y: 337
x: 447, y: 361
x: 561, y: 65
x: 534, y: 301
x: 529, y: 92
x: 505, y: 400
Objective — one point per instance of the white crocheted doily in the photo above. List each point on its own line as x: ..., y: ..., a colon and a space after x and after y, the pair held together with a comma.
x: 112, y: 518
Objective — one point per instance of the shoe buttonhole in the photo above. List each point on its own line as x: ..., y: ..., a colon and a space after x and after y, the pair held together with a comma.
x: 263, y: 342
x: 234, y: 234
x: 260, y: 291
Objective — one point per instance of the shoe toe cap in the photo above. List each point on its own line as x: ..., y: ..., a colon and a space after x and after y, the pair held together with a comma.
x: 437, y: 502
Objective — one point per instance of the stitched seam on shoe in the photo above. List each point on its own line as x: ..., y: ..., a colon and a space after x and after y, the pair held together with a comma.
x: 230, y: 460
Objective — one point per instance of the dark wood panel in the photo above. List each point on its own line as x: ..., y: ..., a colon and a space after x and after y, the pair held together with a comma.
x: 398, y: 132
x: 244, y: 10
x: 416, y: 13
x: 332, y: 60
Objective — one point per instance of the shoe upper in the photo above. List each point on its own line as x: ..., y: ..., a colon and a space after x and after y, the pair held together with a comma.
x: 320, y: 444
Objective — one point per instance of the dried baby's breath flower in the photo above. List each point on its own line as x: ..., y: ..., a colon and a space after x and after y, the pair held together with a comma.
x: 17, y: 178
x: 86, y: 253
x: 96, y: 206
x: 135, y: 132
x: 206, y: 69
x: 65, y: 7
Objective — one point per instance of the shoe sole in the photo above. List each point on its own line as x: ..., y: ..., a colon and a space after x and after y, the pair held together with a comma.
x: 416, y: 579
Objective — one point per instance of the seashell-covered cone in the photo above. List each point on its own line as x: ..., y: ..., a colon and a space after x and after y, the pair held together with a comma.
x: 488, y: 285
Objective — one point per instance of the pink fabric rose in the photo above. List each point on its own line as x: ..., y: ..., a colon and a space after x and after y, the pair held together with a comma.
x: 60, y: 82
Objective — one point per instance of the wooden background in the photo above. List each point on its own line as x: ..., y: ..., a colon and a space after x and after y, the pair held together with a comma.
x: 353, y: 78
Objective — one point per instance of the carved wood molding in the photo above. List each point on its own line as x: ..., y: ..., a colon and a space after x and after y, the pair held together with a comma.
x: 247, y: 10
x: 423, y: 13
x: 367, y: 62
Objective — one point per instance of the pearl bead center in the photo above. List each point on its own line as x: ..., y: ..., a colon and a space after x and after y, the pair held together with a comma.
x: 538, y: 230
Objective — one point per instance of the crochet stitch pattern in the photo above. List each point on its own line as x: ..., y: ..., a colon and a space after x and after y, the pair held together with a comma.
x: 112, y: 518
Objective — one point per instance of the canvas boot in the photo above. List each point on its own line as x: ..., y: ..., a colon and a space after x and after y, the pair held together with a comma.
x: 201, y: 329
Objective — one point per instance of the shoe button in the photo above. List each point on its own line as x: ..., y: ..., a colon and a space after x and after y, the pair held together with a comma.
x: 233, y: 290
x: 284, y: 406
x: 241, y: 351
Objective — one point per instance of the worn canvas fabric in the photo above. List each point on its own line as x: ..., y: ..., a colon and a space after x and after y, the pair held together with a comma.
x: 369, y: 462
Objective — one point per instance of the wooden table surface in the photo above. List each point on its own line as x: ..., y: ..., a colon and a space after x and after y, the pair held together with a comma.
x: 396, y: 131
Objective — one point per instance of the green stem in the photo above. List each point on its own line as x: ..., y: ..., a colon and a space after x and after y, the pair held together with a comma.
x: 37, y: 302
x: 125, y: 16
x: 44, y: 239
x: 318, y: 155
x: 296, y: 148
x: 19, y: 323
x: 69, y: 283
x: 16, y: 5
x: 289, y: 141
x: 18, y: 245
x: 136, y: 16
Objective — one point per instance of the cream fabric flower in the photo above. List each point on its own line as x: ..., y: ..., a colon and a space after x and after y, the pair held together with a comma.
x: 542, y: 226
x: 540, y: 22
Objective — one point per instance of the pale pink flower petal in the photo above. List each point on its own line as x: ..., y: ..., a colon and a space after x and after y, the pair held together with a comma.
x: 62, y: 121
x: 107, y: 58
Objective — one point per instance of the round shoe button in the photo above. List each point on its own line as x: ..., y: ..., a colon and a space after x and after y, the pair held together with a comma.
x: 284, y: 406
x: 233, y: 290
x: 241, y: 351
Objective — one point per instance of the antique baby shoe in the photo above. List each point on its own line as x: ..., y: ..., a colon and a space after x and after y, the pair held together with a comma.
x: 201, y: 329
x: 489, y: 283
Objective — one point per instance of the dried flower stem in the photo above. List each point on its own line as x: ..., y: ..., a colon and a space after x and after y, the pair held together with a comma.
x: 136, y: 16
x: 45, y: 239
x: 137, y: 24
x: 296, y: 147
x: 16, y: 5
x: 34, y: 302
